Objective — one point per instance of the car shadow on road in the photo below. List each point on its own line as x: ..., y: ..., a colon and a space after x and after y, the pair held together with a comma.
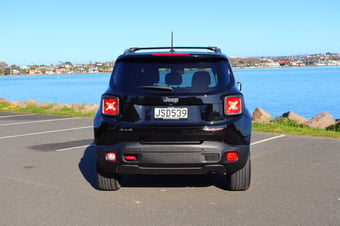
x: 175, y: 181
x: 87, y: 167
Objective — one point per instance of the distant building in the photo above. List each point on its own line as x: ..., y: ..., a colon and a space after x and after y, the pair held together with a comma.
x: 93, y: 69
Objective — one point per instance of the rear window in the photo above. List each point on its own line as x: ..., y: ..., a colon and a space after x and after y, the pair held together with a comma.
x: 178, y: 77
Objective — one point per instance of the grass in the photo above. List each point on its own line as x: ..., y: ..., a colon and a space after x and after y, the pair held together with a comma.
x: 48, y: 109
x: 284, y: 125
x: 287, y: 126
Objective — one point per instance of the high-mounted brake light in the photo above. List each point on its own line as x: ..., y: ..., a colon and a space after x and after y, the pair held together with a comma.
x: 170, y: 54
x: 232, y: 105
x: 110, y: 105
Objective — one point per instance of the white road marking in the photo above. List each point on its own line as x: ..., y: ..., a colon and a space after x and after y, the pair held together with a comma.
x: 46, y: 132
x: 11, y: 116
x: 72, y: 148
x: 38, y: 121
x: 266, y: 140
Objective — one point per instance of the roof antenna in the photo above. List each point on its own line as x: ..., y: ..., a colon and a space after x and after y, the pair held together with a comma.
x: 172, y: 43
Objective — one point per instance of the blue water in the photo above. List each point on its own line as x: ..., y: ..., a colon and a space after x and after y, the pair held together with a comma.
x: 65, y: 89
x: 307, y: 90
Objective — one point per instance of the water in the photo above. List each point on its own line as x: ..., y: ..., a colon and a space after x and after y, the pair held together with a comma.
x: 64, y: 89
x: 307, y: 90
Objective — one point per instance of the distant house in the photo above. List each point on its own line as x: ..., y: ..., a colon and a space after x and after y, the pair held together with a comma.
x: 15, y: 72
x: 93, y: 69
x: 62, y: 70
x: 34, y: 71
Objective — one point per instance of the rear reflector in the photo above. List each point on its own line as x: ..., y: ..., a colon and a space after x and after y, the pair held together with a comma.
x: 110, y: 105
x: 111, y: 156
x: 231, y: 156
x: 233, y: 105
x: 130, y: 157
x: 170, y: 54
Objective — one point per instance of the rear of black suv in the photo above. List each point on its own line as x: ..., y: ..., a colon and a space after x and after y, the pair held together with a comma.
x: 172, y: 113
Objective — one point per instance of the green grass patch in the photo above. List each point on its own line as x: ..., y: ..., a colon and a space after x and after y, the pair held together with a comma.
x: 49, y: 109
x: 287, y: 126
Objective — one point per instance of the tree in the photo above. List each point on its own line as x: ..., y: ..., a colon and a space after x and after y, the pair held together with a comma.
x: 3, y: 66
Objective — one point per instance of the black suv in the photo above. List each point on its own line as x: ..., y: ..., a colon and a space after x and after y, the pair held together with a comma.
x: 172, y: 112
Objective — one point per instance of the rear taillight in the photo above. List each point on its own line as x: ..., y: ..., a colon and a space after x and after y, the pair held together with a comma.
x: 231, y: 156
x: 110, y: 105
x: 111, y: 156
x: 232, y: 105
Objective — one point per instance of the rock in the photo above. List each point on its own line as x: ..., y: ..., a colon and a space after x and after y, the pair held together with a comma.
x: 31, y: 102
x: 76, y: 107
x: 321, y: 121
x: 294, y: 117
x: 55, y: 107
x: 20, y: 104
x: 5, y: 101
x: 261, y: 116
x: 46, y: 104
x: 86, y: 108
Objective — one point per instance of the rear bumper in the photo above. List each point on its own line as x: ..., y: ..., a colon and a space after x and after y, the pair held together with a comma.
x: 171, y: 158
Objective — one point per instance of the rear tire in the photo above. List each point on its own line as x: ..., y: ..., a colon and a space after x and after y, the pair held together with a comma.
x: 108, y: 182
x: 240, y: 180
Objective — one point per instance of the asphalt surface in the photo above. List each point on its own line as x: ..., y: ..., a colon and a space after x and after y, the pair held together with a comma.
x: 47, y: 177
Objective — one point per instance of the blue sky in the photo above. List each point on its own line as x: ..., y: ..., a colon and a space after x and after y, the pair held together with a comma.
x: 46, y: 32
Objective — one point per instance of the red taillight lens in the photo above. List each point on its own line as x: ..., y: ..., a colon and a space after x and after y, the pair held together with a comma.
x: 110, y: 106
x: 231, y: 156
x: 130, y: 157
x: 232, y: 105
x: 111, y: 156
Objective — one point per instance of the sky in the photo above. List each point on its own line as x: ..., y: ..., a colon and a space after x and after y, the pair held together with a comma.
x: 49, y: 32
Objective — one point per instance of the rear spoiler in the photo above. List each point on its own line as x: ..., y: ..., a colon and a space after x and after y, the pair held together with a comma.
x: 171, y: 49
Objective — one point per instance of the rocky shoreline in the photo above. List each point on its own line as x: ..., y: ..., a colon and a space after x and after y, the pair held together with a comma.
x: 322, y: 120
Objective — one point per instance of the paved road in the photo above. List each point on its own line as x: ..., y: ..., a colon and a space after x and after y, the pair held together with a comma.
x: 47, y: 178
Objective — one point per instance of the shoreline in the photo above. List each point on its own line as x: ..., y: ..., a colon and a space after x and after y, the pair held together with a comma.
x: 62, y: 74
x: 236, y: 68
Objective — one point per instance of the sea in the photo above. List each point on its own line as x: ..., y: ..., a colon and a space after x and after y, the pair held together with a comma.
x: 306, y: 91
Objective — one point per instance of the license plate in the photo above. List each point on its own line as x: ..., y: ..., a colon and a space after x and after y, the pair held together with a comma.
x: 171, y: 113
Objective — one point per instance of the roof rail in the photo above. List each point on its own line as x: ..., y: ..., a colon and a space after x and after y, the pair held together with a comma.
x: 171, y: 49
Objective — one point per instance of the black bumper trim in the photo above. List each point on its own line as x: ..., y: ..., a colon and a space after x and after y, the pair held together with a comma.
x: 135, y: 169
x: 209, y: 156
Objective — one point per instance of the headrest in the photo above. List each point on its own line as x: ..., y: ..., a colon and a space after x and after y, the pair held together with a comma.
x: 173, y: 78
x: 201, y: 79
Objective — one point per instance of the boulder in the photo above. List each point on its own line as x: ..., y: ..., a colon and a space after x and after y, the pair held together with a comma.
x: 294, y: 117
x: 321, y: 121
x: 46, y: 104
x: 86, y: 108
x: 76, y: 107
x: 20, y: 104
x: 5, y: 101
x: 55, y: 107
x: 261, y: 116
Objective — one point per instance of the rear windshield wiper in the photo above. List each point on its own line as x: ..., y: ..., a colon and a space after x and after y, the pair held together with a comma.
x: 165, y: 88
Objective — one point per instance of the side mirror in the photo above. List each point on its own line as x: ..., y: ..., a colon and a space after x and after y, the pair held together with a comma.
x: 239, y: 85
